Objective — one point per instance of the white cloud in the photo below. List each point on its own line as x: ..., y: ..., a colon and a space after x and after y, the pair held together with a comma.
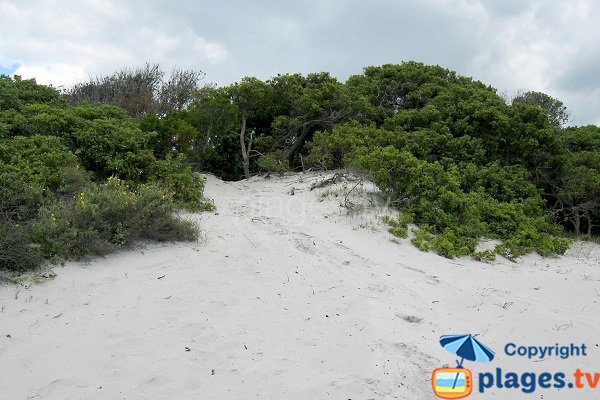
x: 62, y: 42
x: 54, y: 74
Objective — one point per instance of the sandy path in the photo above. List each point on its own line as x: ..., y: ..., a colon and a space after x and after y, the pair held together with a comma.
x: 288, y: 297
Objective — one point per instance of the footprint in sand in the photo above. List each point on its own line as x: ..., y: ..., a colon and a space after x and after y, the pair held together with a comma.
x: 305, y: 243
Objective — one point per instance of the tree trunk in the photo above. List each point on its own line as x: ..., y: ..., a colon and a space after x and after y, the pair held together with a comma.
x: 588, y: 217
x: 577, y: 222
x: 291, y: 153
x: 206, y: 141
x: 245, y: 151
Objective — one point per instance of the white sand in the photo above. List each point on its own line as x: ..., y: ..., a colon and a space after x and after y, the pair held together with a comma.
x: 288, y: 297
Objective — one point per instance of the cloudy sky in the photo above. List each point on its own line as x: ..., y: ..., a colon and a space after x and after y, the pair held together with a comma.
x: 544, y: 45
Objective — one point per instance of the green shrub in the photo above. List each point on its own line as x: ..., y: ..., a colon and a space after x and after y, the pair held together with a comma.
x: 47, y: 120
x: 19, y: 203
x: 486, y: 255
x: 17, y: 252
x: 107, y: 216
x: 19, y: 199
x: 457, y: 207
x: 73, y: 182
x: 529, y: 239
x: 423, y: 237
x: 16, y: 92
x: 40, y: 160
x: 92, y: 112
x: 177, y: 177
x: 112, y: 147
x: 274, y: 162
x: 329, y: 149
x: 508, y: 184
x: 398, y: 227
x: 453, y: 243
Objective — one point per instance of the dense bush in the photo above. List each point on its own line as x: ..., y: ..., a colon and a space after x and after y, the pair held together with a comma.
x: 40, y: 160
x: 108, y: 216
x: 17, y: 251
x: 107, y: 147
x: 453, y: 205
x: 274, y: 162
x: 19, y: 199
x: 177, y: 177
x: 17, y: 92
x: 19, y: 204
x: 83, y: 180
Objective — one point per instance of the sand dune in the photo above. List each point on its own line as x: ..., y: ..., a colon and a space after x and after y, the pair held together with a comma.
x: 289, y: 296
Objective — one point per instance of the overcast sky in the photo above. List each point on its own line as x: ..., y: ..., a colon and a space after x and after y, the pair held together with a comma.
x: 545, y: 45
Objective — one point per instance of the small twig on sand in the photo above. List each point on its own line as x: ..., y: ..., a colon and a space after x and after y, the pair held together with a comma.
x: 329, y: 181
x: 348, y: 194
x: 565, y: 326
x: 249, y: 239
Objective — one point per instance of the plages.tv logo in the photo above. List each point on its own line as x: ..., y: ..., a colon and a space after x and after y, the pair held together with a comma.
x: 456, y: 383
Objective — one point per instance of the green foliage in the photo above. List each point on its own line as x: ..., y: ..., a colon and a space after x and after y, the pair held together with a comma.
x: 529, y: 238
x: 44, y: 119
x: 452, y: 243
x: 449, y: 153
x: 19, y: 199
x: 502, y: 183
x: 574, y: 182
x: 40, y: 160
x: 485, y: 255
x: 17, y: 92
x: 584, y: 138
x: 177, y: 177
x: 16, y: 250
x: 91, y: 112
x: 391, y: 88
x: 172, y: 133
x: 398, y: 227
x: 422, y: 238
x: 455, y: 207
x: 216, y: 147
x: 110, y: 147
x: 306, y: 105
x: 104, y: 217
x: 329, y: 149
x: 54, y: 201
x: 274, y: 163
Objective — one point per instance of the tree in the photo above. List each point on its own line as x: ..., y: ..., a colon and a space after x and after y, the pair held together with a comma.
x: 555, y: 110
x: 178, y: 91
x: 390, y: 88
x: 16, y: 92
x: 312, y: 103
x: 141, y: 92
x: 575, y: 185
x: 578, y: 195
x: 250, y: 96
x: 211, y: 113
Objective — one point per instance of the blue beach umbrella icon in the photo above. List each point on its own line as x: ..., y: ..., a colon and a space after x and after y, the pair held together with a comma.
x: 467, y: 348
